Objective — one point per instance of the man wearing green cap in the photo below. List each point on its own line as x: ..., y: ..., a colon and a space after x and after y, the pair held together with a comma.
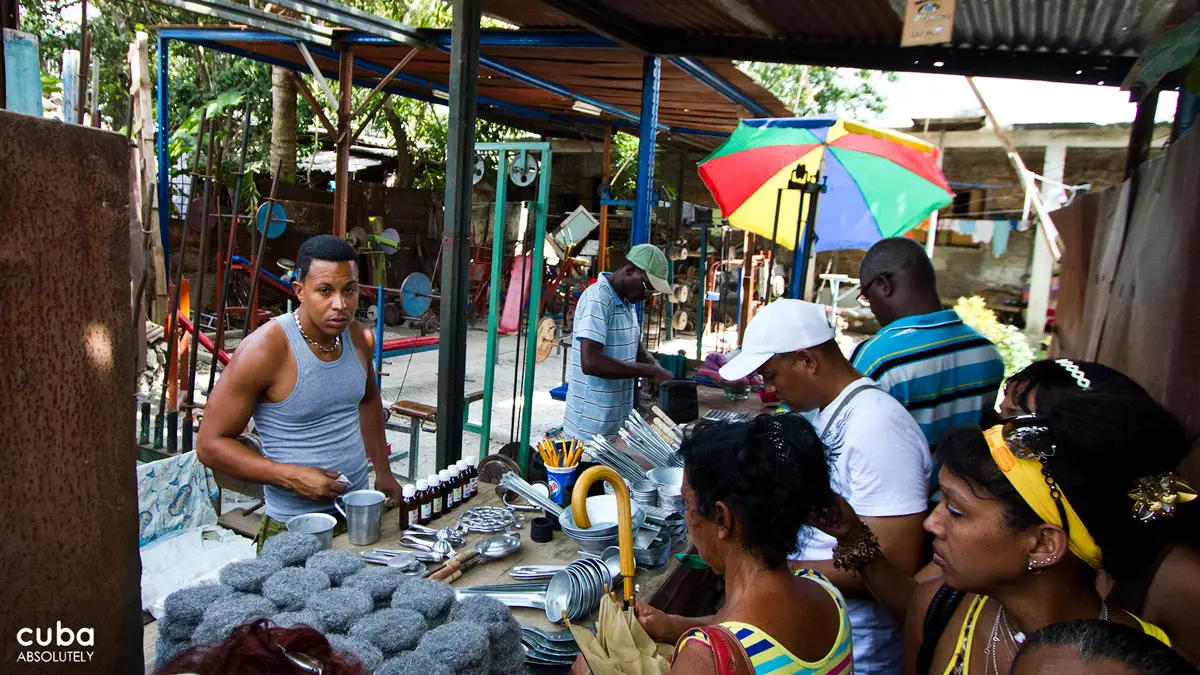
x: 606, y: 353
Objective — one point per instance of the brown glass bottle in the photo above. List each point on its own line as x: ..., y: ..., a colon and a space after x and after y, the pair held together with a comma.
x: 472, y: 478
x: 424, y: 502
x: 456, y: 485
x: 448, y: 485
x: 439, y: 494
x: 410, y: 508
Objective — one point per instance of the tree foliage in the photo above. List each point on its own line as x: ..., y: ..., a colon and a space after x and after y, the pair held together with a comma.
x: 815, y: 90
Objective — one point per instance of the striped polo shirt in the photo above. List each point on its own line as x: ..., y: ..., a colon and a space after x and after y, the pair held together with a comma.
x: 943, y: 371
x: 596, y: 405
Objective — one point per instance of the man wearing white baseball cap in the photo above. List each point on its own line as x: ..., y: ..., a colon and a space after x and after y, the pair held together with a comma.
x: 882, y: 463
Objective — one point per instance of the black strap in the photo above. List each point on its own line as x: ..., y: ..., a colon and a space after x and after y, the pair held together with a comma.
x: 937, y: 618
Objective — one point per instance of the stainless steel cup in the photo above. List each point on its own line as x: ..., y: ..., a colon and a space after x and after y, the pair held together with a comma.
x: 320, y: 525
x: 363, y: 511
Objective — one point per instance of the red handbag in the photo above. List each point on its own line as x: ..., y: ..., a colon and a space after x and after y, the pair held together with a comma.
x: 728, y: 652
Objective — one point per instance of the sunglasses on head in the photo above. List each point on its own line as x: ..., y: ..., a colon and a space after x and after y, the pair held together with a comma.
x: 1028, y: 437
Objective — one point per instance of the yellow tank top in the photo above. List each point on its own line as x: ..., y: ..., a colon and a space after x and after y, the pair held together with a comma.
x: 960, y: 662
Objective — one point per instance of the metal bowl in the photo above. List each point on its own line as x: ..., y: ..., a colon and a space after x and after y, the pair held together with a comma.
x: 671, y: 475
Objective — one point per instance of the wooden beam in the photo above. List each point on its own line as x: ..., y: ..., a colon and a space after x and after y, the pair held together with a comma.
x: 1046, y: 227
x: 302, y: 87
x: 379, y: 103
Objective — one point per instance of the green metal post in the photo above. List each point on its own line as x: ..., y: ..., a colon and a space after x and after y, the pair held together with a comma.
x: 535, y: 295
x: 489, y: 368
x: 702, y: 293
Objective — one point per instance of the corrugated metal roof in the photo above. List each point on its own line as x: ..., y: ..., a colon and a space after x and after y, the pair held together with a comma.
x: 609, y: 75
x: 1019, y: 38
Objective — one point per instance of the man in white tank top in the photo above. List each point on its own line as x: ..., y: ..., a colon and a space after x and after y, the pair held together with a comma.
x: 308, y: 381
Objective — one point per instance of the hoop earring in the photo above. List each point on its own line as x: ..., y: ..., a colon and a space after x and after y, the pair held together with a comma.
x: 1033, y: 570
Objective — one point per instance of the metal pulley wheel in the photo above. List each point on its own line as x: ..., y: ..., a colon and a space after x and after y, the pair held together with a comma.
x: 357, y: 237
x: 195, y: 214
x: 372, y: 313
x: 389, y: 234
x: 778, y: 286
x: 278, y: 219
x: 391, y: 315
x: 547, y: 337
x: 524, y: 169
x: 680, y: 320
x: 680, y: 293
x: 605, y: 191
x: 416, y: 294
x: 429, y: 323
x: 479, y: 169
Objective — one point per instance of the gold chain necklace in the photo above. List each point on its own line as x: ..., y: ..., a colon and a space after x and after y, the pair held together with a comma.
x: 337, y: 340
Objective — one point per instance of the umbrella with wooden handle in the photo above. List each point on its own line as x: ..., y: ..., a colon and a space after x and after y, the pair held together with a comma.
x: 624, y: 516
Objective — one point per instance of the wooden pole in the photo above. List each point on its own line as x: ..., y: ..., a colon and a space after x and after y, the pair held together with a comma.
x: 341, y: 195
x: 1049, y: 231
x: 747, y: 270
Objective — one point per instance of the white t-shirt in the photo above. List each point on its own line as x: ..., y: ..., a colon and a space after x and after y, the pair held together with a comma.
x: 882, y: 468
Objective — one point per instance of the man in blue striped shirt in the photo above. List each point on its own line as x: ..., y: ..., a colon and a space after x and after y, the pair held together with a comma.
x: 606, y: 353
x: 943, y: 371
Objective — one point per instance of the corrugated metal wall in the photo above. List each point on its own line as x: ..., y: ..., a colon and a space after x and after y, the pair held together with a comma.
x: 68, y: 492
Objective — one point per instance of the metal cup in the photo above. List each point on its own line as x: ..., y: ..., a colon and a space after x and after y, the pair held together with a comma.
x: 363, y: 511
x: 320, y: 525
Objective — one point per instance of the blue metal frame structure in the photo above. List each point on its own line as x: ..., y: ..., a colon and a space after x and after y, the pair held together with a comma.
x: 647, y: 124
x: 643, y: 200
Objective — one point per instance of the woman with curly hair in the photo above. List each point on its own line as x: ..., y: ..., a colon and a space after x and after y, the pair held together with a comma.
x: 260, y: 648
x: 749, y: 489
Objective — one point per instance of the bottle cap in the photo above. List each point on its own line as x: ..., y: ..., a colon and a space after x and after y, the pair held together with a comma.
x: 444, y: 475
x: 461, y: 464
x: 432, y: 479
x: 409, y: 490
x: 421, y: 484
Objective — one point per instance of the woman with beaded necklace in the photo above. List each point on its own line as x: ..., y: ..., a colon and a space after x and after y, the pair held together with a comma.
x: 1032, y: 509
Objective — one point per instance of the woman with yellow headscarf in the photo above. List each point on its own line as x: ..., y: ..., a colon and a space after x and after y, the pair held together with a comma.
x: 1031, y: 510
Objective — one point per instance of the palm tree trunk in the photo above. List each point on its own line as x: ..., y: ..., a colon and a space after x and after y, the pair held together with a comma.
x: 283, y: 120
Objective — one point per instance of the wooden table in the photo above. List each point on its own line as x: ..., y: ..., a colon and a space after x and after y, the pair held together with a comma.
x: 561, y: 550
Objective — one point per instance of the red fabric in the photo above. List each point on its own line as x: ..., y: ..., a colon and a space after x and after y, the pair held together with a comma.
x: 409, y: 342
x: 734, y: 178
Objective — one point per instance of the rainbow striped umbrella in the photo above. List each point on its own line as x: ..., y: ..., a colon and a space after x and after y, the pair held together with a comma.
x: 881, y: 183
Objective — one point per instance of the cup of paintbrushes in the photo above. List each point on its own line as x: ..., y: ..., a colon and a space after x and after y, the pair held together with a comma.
x: 562, y: 463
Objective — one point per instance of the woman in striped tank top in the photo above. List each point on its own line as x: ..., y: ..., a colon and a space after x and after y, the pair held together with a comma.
x: 749, y: 488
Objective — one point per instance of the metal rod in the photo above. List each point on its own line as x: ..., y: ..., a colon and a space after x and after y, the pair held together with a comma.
x: 703, y: 292
x: 318, y: 110
x: 251, y: 319
x: 489, y: 368
x: 317, y: 75
x: 535, y: 293
x: 172, y: 324
x: 357, y: 19
x: 379, y: 103
x: 602, y: 258
x: 385, y: 79
x: 223, y: 297
x: 199, y: 293
x: 774, y: 241
x: 380, y: 296
x: 241, y: 14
